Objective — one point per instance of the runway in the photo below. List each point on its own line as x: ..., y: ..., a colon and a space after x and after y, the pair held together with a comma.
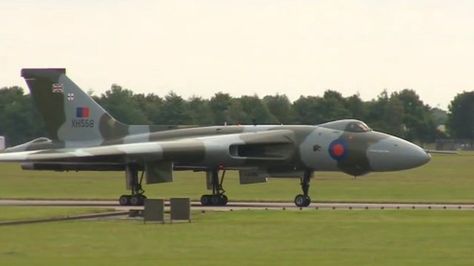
x: 112, y: 210
x: 246, y: 205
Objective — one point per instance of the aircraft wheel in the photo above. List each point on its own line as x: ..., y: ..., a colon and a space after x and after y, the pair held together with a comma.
x: 124, y: 200
x: 224, y: 200
x: 216, y: 200
x: 142, y: 199
x: 307, y: 201
x: 302, y: 200
x: 205, y: 200
x: 137, y: 200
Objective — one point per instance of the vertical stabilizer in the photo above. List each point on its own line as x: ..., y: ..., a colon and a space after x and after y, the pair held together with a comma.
x: 69, y: 113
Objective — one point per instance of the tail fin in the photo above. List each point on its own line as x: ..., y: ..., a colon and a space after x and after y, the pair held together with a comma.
x: 70, y: 114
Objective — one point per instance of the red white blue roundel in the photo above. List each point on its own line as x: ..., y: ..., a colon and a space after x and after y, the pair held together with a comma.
x: 338, y: 149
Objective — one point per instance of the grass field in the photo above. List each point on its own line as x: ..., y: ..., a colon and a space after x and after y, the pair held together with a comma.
x: 447, y: 178
x: 310, y: 237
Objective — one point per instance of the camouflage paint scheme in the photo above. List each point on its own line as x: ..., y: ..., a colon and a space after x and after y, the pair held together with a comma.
x: 83, y: 136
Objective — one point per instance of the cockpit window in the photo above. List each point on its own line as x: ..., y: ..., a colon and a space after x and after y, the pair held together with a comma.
x: 357, y: 127
x: 349, y: 125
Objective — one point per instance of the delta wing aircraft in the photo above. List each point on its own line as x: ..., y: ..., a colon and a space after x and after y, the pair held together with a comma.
x: 84, y: 137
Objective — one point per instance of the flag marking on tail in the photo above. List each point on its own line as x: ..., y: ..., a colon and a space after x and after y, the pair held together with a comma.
x: 82, y: 112
x: 57, y: 88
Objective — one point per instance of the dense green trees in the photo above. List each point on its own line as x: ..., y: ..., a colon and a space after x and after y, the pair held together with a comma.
x: 280, y: 107
x: 19, y: 121
x: 122, y: 103
x: 461, y: 117
x: 400, y: 113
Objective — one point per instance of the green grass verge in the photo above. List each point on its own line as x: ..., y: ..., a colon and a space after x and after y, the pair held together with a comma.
x: 447, y: 178
x: 14, y: 213
x: 311, y: 237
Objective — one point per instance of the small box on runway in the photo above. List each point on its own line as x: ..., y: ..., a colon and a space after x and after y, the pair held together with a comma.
x: 180, y: 209
x: 154, y: 210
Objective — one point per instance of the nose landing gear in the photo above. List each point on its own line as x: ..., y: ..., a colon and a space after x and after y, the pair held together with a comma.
x: 303, y: 200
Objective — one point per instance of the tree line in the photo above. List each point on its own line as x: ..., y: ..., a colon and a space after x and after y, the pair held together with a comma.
x: 400, y: 113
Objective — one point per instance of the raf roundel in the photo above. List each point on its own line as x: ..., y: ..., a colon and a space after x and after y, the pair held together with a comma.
x: 338, y: 149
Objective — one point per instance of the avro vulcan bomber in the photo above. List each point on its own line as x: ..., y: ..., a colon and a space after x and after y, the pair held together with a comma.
x: 84, y: 137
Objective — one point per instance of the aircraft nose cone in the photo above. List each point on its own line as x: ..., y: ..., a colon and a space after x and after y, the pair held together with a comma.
x: 418, y: 156
x: 393, y: 154
x: 424, y: 158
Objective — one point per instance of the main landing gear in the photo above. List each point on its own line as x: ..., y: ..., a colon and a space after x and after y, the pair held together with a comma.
x: 303, y: 200
x: 217, y: 198
x: 136, y: 198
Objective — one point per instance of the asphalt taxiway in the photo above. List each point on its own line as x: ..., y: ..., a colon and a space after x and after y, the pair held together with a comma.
x: 115, y: 211
x: 243, y: 205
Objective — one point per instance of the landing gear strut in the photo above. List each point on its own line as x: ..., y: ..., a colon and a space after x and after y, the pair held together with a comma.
x: 303, y: 200
x: 217, y: 198
x: 136, y: 198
